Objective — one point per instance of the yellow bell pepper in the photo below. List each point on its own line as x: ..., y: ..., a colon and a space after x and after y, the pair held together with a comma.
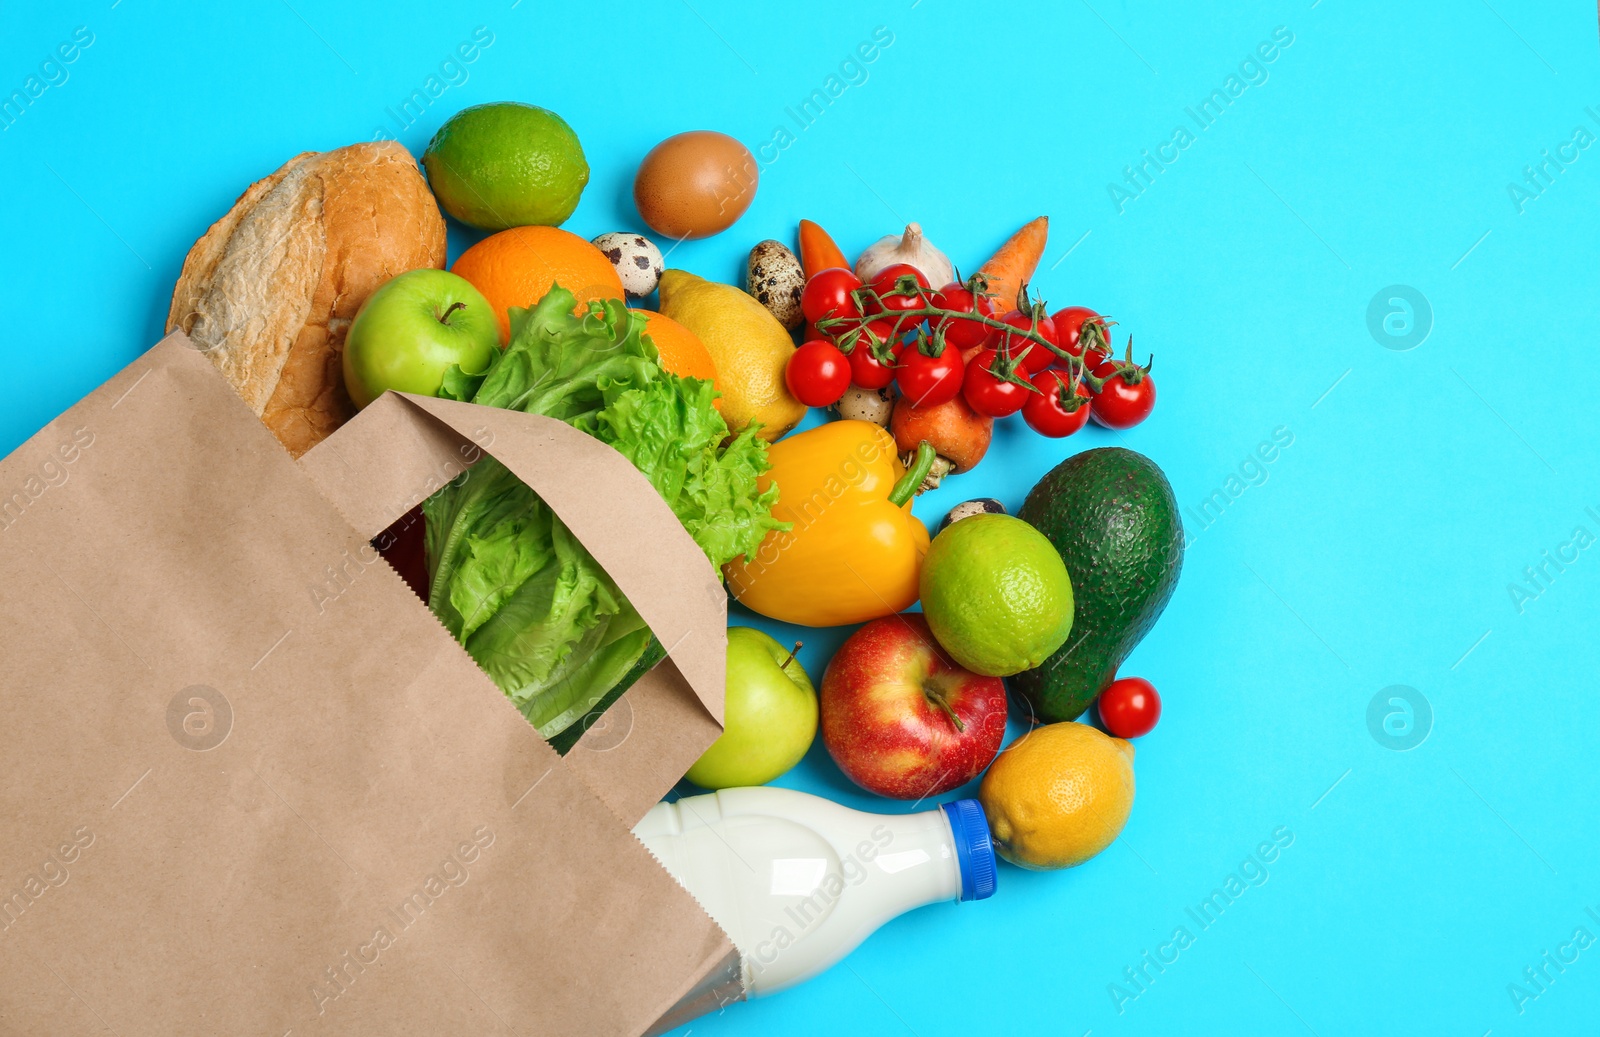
x: 854, y: 551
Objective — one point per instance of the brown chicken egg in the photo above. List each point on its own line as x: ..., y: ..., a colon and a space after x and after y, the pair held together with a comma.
x: 695, y: 184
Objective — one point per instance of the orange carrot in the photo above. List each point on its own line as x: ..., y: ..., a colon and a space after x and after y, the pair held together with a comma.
x: 1011, y: 267
x: 817, y: 250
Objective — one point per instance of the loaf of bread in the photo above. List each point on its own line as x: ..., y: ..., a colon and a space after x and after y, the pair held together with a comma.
x: 269, y: 292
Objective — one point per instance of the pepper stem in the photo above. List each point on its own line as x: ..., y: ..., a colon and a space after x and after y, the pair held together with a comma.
x: 909, y: 482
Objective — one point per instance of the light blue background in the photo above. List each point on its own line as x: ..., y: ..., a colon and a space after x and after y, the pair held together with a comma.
x: 1378, y: 552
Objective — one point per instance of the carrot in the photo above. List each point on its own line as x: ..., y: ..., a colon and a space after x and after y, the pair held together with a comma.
x: 817, y: 250
x: 1011, y: 267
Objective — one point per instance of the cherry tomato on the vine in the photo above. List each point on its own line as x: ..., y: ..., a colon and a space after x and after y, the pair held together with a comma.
x: 1130, y: 707
x: 963, y: 332
x: 867, y: 371
x: 1046, y: 411
x: 857, y: 330
x: 927, y: 381
x: 1034, y: 357
x: 1069, y: 327
x: 857, y: 335
x: 827, y: 294
x: 818, y: 374
x: 991, y: 394
x: 1128, y: 396
x: 887, y: 329
x: 888, y: 286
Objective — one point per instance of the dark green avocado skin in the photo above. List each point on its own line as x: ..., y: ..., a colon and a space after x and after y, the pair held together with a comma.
x: 1111, y: 514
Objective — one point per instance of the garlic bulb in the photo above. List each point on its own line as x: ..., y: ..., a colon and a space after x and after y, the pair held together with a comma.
x: 911, y: 248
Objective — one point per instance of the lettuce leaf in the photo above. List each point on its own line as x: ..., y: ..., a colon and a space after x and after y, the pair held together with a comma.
x: 509, y: 580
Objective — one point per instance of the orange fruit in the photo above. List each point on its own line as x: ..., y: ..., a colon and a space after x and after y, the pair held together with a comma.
x: 516, y: 267
x: 681, y: 350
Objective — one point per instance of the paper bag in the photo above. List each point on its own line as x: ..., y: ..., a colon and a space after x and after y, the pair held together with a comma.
x: 251, y: 786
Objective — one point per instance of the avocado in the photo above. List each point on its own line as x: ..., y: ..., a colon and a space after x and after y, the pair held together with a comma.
x: 1111, y: 514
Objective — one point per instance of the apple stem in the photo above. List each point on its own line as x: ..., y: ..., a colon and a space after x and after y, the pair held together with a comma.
x: 792, y: 652
x: 939, y: 701
x: 444, y: 318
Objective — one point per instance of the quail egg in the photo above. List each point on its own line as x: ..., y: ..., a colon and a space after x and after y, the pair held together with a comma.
x: 976, y: 506
x: 858, y: 404
x: 774, y: 277
x: 636, y: 258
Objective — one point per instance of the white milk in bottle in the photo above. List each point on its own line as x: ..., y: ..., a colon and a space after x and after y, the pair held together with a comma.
x: 797, y: 881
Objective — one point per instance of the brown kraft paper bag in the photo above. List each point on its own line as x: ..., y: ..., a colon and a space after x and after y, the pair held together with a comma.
x: 252, y: 786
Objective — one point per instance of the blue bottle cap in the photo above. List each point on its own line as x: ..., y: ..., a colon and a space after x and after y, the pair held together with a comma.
x: 974, y: 851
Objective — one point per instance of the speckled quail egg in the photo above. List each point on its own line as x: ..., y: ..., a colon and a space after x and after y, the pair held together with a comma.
x: 976, y: 506
x: 775, y: 278
x: 636, y: 258
x: 858, y: 404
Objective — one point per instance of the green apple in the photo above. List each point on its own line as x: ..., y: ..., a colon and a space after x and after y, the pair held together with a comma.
x: 770, y: 716
x: 412, y: 329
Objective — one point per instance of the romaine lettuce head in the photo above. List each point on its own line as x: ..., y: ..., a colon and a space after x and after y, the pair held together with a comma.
x: 509, y: 580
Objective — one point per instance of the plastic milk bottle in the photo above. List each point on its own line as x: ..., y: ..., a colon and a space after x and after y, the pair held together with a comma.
x: 797, y: 881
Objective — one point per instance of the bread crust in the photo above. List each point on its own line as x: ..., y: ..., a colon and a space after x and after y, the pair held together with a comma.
x: 269, y: 291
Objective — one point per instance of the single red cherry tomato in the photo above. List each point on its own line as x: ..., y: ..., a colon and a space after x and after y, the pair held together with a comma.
x: 957, y: 296
x: 963, y: 332
x: 928, y: 381
x: 895, y: 295
x: 989, y: 393
x: 827, y: 295
x: 1128, y: 396
x: 818, y: 374
x: 1046, y: 411
x: 892, y: 273
x: 1130, y: 707
x: 1070, y: 324
x: 1034, y: 357
x: 867, y: 371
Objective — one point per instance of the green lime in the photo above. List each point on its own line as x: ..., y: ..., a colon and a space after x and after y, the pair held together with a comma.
x: 506, y: 164
x: 996, y: 594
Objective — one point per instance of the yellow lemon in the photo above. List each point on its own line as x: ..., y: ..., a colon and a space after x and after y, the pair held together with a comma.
x: 1058, y: 795
x: 747, y: 344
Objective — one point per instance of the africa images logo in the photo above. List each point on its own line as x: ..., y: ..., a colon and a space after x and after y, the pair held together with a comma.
x: 199, y: 718
x: 1138, y: 978
x: 52, y: 874
x: 452, y: 873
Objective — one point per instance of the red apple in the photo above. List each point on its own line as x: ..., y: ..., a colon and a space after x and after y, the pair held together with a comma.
x: 902, y: 720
